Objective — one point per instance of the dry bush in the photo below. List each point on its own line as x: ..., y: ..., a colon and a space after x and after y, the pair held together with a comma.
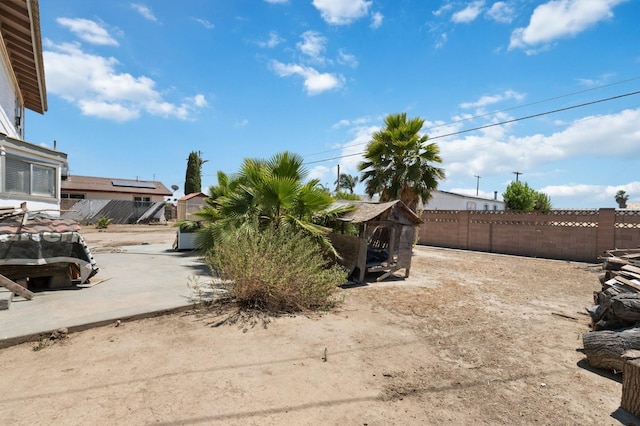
x: 277, y: 271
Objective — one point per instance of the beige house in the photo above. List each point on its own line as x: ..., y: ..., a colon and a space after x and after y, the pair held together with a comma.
x: 76, y: 188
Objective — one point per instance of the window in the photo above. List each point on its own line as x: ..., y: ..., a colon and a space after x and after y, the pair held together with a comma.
x: 486, y: 207
x: 471, y: 205
x: 23, y: 177
x: 142, y: 201
x: 65, y: 195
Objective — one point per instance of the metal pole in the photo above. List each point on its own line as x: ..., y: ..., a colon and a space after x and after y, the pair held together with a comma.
x: 517, y: 174
x: 338, y: 180
x: 477, y: 184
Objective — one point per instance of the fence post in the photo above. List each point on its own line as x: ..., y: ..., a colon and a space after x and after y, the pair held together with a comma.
x: 463, y: 229
x: 606, y: 230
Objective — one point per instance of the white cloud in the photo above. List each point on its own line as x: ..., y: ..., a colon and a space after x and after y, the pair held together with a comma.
x: 312, y: 45
x: 358, y: 122
x: 205, y: 23
x: 347, y: 59
x: 469, y: 13
x: 92, y: 83
x: 145, y: 11
x: 342, y: 12
x: 502, y: 12
x: 352, y: 150
x: 444, y: 8
x: 321, y: 173
x: 491, y: 153
x: 493, y: 99
x: 561, y: 18
x: 441, y: 41
x: 315, y: 82
x: 603, y: 79
x: 376, y: 20
x: 89, y: 31
x: 273, y: 40
x: 242, y: 123
x: 600, y: 194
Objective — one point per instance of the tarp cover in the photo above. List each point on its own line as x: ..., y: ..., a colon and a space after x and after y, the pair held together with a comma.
x: 44, y: 241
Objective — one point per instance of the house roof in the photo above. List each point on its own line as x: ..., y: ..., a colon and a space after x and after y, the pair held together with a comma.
x: 453, y: 194
x: 193, y: 195
x: 125, y: 186
x: 20, y: 29
x: 365, y: 212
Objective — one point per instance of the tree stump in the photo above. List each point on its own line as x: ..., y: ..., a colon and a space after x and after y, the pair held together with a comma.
x: 604, y: 349
x: 631, y: 387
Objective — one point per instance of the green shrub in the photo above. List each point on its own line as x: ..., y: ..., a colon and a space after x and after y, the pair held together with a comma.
x: 103, y: 222
x: 277, y: 271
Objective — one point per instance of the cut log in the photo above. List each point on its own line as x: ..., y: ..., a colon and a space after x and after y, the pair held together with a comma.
x: 604, y: 349
x: 15, y: 288
x: 631, y: 387
x: 626, y: 307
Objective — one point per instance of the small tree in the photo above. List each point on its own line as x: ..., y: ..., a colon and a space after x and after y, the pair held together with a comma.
x: 542, y: 203
x: 193, y: 177
x: 621, y: 198
x: 519, y: 196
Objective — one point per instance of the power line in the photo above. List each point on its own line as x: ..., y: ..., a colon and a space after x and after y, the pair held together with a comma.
x: 500, y: 123
x: 503, y: 110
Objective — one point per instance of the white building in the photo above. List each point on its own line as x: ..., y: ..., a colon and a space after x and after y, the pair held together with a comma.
x: 443, y: 200
x: 28, y: 172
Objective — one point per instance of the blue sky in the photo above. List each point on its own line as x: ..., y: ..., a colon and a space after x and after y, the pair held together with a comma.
x: 134, y: 87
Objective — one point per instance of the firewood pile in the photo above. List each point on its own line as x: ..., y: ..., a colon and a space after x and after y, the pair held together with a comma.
x: 617, y: 305
x: 614, y: 343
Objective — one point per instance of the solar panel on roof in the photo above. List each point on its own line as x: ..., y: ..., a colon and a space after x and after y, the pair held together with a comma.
x: 133, y: 184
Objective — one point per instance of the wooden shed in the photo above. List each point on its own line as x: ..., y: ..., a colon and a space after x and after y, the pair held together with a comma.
x: 190, y: 204
x: 386, y: 233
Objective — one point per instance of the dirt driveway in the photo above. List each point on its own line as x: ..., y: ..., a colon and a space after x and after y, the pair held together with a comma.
x: 469, y: 338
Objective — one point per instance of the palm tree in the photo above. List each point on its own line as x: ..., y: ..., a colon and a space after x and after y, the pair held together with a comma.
x: 399, y: 162
x: 347, y: 181
x: 621, y: 198
x: 266, y: 193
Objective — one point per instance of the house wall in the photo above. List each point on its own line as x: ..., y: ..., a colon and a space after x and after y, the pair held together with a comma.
x: 578, y: 235
x: 35, y: 155
x: 8, y: 96
x: 113, y: 195
x: 444, y: 201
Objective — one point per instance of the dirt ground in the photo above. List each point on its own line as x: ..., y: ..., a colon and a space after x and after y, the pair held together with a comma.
x: 468, y: 338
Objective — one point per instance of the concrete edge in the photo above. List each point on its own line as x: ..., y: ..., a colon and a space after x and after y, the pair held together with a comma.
x: 17, y: 340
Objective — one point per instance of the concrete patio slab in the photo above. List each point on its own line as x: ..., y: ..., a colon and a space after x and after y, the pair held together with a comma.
x: 134, y: 281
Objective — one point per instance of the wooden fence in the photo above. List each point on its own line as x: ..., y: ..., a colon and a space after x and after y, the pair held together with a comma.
x: 579, y: 235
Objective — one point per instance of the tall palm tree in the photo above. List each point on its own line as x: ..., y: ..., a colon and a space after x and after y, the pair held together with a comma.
x: 399, y: 163
x: 266, y: 193
x: 347, y: 181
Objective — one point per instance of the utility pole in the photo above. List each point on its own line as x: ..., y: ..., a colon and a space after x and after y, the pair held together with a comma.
x: 477, y: 184
x: 338, y: 180
x: 517, y: 174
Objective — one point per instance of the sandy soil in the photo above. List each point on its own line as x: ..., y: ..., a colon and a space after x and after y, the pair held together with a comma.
x: 468, y: 338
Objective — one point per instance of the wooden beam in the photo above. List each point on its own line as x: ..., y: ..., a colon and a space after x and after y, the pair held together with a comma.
x: 15, y: 288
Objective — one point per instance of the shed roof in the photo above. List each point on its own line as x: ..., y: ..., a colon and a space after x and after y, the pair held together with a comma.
x: 365, y: 212
x: 193, y: 195
x: 20, y: 28
x: 125, y: 186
